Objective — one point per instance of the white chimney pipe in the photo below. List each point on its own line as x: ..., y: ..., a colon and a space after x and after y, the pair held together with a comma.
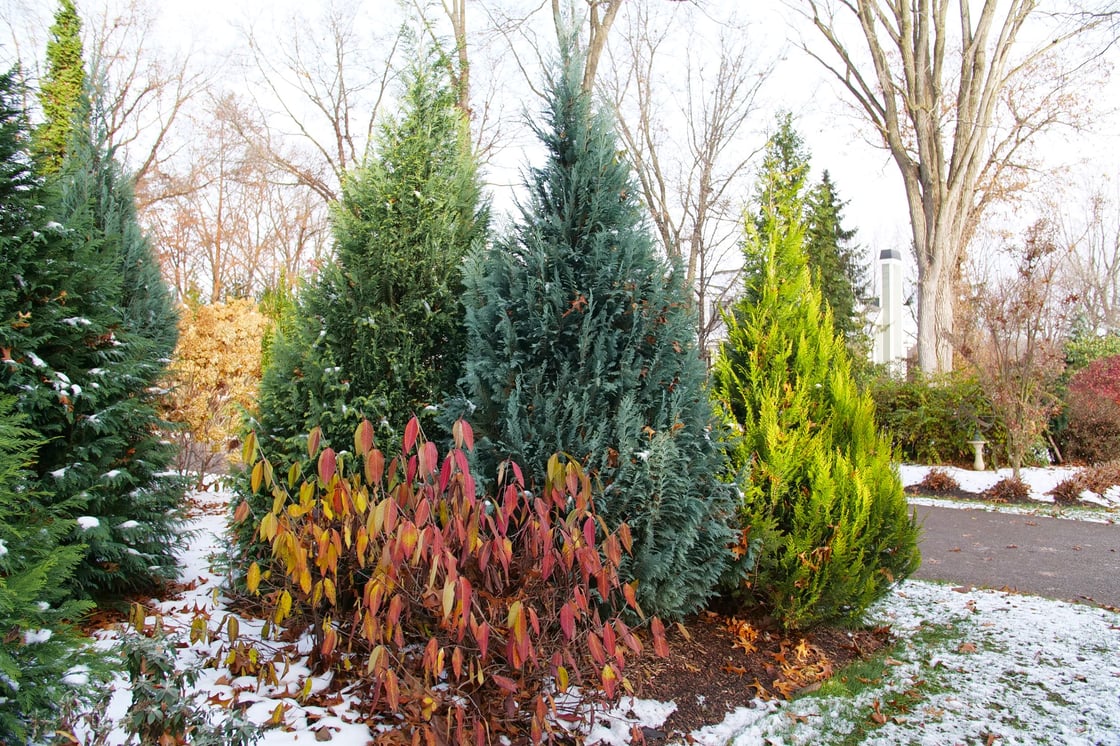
x: 888, y: 337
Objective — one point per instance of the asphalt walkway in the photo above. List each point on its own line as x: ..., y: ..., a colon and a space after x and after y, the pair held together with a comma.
x: 1061, y: 559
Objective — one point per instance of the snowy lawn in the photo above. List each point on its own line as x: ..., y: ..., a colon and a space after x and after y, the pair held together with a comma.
x: 971, y: 667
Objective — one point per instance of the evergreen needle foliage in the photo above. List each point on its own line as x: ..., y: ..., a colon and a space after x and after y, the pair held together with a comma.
x: 582, y: 340
x: 819, y: 490
x: 380, y: 335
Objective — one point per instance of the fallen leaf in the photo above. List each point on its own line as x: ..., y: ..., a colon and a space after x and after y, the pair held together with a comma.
x: 966, y: 647
x: 323, y: 734
x: 876, y: 715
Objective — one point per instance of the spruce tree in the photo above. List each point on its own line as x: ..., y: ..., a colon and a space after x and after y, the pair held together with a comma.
x: 582, y: 341
x: 45, y: 663
x: 88, y: 328
x: 379, y: 335
x: 833, y: 260
x: 820, y: 494
x: 61, y: 89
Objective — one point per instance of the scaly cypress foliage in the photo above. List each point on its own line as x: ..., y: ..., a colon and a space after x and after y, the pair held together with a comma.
x: 583, y: 341
x: 118, y: 431
x: 819, y: 490
x: 88, y: 329
x: 61, y: 89
x: 44, y: 661
x: 380, y: 335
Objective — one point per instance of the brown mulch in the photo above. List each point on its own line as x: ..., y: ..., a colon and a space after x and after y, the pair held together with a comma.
x: 719, y: 663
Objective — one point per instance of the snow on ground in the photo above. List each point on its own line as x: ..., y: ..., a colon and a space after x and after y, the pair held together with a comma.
x: 976, y: 667
x: 1092, y: 507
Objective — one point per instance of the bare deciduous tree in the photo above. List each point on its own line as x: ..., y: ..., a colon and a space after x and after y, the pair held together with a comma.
x: 937, y: 82
x: 142, y: 90
x: 1015, y: 340
x: 1090, y: 228
x: 686, y: 130
x: 327, y: 83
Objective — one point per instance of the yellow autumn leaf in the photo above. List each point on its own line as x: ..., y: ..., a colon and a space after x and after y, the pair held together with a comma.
x: 253, y: 580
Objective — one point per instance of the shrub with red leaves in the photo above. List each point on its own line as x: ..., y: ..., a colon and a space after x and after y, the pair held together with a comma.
x: 1008, y: 490
x: 1098, y: 479
x: 1093, y: 412
x: 939, y: 482
x: 463, y: 616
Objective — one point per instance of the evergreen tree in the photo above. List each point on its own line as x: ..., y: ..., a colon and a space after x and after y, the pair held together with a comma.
x: 582, y: 340
x: 820, y: 493
x: 781, y: 199
x: 44, y: 661
x: 833, y: 260
x: 87, y: 331
x: 380, y: 335
x: 61, y: 89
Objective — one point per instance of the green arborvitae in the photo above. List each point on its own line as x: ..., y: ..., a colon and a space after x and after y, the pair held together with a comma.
x: 380, y: 335
x: 820, y: 493
x: 583, y: 341
x: 832, y: 259
x: 61, y: 90
x: 88, y: 332
x: 45, y: 663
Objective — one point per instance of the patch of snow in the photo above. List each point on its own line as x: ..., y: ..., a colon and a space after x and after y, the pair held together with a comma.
x: 112, y: 473
x: 36, y: 636
x: 3, y: 548
x: 86, y: 522
x: 35, y: 360
x: 77, y: 321
x: 129, y: 524
x: 77, y: 676
x: 59, y: 473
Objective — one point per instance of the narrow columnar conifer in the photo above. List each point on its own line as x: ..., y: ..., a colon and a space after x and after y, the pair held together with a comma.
x: 821, y: 497
x: 582, y: 340
x: 61, y: 90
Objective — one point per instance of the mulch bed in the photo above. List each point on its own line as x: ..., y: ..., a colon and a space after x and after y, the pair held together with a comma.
x: 719, y: 663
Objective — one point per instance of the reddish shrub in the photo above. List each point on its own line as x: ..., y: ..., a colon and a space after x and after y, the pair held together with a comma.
x: 463, y: 616
x: 1093, y: 412
x: 939, y: 482
x: 1008, y: 490
x: 1092, y: 478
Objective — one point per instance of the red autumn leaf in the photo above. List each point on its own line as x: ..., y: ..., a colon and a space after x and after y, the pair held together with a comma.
x: 375, y: 467
x: 363, y: 437
x: 327, y: 465
x: 589, y: 531
x: 506, y: 683
x: 567, y: 621
x: 392, y: 690
x: 429, y: 458
x: 627, y: 539
x: 463, y: 434
x: 482, y: 637
x: 445, y: 473
x: 595, y: 647
x: 660, y: 646
x: 411, y: 432
x: 631, y: 597
x: 457, y: 663
x: 242, y: 512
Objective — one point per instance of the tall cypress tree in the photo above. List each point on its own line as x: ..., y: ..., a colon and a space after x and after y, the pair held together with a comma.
x: 819, y: 490
x: 61, y: 90
x: 40, y: 648
x: 380, y: 335
x: 582, y: 340
x: 87, y: 333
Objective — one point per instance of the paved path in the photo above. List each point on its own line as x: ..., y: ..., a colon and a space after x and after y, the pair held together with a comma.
x: 1062, y: 559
